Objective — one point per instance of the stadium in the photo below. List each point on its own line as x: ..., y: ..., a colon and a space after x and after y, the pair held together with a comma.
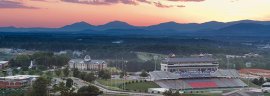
x: 195, y: 74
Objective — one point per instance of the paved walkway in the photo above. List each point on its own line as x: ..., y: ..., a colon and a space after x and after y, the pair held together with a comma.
x: 81, y: 83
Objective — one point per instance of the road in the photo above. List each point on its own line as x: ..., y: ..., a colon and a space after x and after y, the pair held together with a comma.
x: 245, y: 92
x: 81, y: 83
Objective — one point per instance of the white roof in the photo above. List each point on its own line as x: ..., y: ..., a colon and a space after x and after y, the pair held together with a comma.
x: 20, y: 77
x: 266, y: 83
x: 158, y: 89
x: 3, y: 62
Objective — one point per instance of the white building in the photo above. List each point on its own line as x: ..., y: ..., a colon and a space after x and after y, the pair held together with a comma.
x: 87, y: 64
x: 3, y: 64
x: 157, y: 90
x: 189, y: 64
x: 17, y: 81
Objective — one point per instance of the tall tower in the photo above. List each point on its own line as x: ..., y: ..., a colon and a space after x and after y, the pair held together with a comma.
x: 87, y: 61
x: 87, y: 58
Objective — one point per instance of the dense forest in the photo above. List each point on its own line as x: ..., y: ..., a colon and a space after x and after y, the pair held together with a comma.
x: 126, y: 46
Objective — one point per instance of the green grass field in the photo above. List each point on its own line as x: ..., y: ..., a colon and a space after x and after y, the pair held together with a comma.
x: 112, y: 83
x: 117, y: 85
x: 266, y: 94
x: 141, y: 86
x: 249, y: 83
x: 201, y: 95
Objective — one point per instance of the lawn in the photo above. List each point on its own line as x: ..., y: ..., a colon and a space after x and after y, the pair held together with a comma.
x: 201, y: 94
x: 249, y: 83
x: 266, y: 94
x: 141, y: 86
x: 111, y: 82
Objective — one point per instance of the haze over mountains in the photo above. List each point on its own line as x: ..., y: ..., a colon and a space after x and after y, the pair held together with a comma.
x: 119, y: 27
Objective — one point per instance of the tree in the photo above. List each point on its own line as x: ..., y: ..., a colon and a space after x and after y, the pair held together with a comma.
x: 76, y: 72
x: 66, y: 72
x: 20, y: 61
x: 40, y: 87
x: 82, y: 75
x: 64, y: 90
x: 261, y: 81
x: 69, y: 83
x: 31, y: 72
x: 255, y: 81
x: 168, y: 93
x: 90, y: 77
x: 89, y: 91
x: 15, y: 71
x: 58, y: 72
x: 122, y: 74
x: 43, y: 60
x: 267, y: 80
x: 104, y: 74
x: 144, y: 74
x: 49, y: 74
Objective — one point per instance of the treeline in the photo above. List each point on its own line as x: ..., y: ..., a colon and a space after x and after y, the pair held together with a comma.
x: 239, y: 63
x: 135, y: 65
x: 42, y: 60
x: 102, y: 46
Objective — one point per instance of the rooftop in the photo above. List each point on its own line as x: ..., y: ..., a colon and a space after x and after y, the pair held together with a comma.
x: 187, y: 60
x: 78, y: 61
x: 3, y: 62
x: 19, y: 77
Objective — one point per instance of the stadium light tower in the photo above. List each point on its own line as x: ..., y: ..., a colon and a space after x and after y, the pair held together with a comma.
x: 4, y: 72
x: 155, y: 59
x: 228, y: 61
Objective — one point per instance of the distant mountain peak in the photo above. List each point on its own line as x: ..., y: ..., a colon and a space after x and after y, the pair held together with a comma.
x: 117, y: 22
x: 79, y: 25
x: 170, y: 22
x: 212, y: 22
x: 116, y: 25
x: 8, y: 27
x: 82, y: 23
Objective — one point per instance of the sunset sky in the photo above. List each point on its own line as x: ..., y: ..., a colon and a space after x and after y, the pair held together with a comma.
x: 57, y: 13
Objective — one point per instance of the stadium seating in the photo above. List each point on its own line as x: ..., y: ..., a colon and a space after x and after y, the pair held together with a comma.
x: 222, y: 78
x: 162, y: 75
x: 201, y: 83
x: 231, y: 73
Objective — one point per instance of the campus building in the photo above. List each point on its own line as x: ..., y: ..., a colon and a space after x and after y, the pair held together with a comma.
x: 87, y: 64
x: 17, y: 81
x: 3, y: 64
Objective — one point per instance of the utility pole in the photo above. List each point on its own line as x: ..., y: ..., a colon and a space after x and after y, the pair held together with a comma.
x: 228, y: 61
x: 123, y: 73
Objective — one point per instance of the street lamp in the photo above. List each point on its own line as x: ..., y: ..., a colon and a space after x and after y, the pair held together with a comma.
x: 4, y: 72
x: 124, y: 76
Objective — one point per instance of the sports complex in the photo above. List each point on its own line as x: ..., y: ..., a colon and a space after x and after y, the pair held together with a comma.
x: 200, y: 74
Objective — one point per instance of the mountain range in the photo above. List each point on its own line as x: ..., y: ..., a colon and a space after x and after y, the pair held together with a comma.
x: 235, y: 27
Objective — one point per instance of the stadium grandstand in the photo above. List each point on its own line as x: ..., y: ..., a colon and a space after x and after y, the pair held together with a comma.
x: 195, y: 73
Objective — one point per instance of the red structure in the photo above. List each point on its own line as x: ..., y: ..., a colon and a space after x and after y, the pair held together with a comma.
x: 16, y: 81
x: 12, y: 84
x: 203, y: 84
